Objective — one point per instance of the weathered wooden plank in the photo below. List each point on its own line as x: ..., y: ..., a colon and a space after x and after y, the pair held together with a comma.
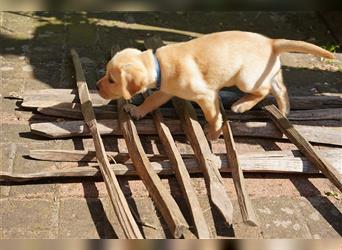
x: 121, y: 208
x: 50, y: 97
x: 73, y: 111
x: 268, y: 157
x: 85, y: 156
x: 315, y: 114
x: 205, y: 158
x: 296, y: 102
x: 262, y: 162
x: 182, y: 175
x: 304, y: 146
x: 162, y: 198
x: 67, y: 129
x: 295, y: 165
x: 246, y: 207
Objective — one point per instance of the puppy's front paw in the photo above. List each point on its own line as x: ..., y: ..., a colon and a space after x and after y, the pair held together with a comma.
x: 211, y: 133
x: 239, y: 108
x: 134, y: 111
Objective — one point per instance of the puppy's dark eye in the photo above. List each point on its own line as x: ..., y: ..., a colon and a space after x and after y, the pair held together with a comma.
x: 110, y: 80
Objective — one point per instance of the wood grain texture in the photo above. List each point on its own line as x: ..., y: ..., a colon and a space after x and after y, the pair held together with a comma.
x: 120, y: 205
x: 205, y: 158
x: 246, y: 207
x: 182, y: 175
x: 260, y: 162
x: 161, y: 197
x: 304, y: 146
x: 73, y: 111
x: 51, y: 97
x: 68, y: 129
x: 85, y: 155
x: 269, y: 161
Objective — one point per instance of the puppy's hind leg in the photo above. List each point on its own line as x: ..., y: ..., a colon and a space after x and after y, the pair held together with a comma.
x: 211, y: 109
x: 279, y: 91
x: 248, y: 101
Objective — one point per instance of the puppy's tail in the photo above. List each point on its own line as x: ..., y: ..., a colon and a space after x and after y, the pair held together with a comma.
x: 283, y: 45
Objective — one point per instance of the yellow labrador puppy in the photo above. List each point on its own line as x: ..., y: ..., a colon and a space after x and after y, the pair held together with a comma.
x: 196, y: 70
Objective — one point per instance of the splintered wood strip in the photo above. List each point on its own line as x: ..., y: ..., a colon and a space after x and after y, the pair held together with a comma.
x: 85, y: 155
x: 67, y: 129
x: 73, y: 111
x: 315, y: 114
x: 246, y: 207
x: 296, y: 102
x: 304, y: 146
x: 273, y: 162
x: 51, y: 97
x: 205, y: 158
x: 121, y: 208
x: 62, y: 92
x: 67, y: 155
x: 58, y: 97
x: 182, y: 174
x: 268, y: 158
x: 162, y: 198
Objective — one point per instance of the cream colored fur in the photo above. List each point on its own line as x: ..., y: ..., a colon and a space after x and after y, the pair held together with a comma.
x: 196, y: 70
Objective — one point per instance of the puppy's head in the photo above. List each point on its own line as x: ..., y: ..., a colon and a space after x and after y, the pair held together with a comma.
x: 126, y: 75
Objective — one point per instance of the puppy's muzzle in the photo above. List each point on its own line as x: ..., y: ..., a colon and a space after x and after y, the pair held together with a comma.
x: 98, y: 86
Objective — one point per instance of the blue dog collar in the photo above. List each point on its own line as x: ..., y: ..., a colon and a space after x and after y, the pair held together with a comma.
x: 157, y: 65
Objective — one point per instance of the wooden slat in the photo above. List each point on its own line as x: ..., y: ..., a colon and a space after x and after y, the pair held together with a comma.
x: 315, y: 114
x: 205, y: 158
x: 288, y: 161
x: 84, y: 156
x: 73, y: 111
x: 67, y: 155
x: 304, y: 146
x: 268, y: 162
x: 50, y: 97
x: 246, y: 207
x: 121, y: 208
x: 67, y: 129
x: 161, y: 197
x: 182, y: 175
x: 296, y: 102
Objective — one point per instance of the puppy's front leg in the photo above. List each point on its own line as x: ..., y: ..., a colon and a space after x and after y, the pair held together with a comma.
x: 151, y: 103
x: 211, y: 110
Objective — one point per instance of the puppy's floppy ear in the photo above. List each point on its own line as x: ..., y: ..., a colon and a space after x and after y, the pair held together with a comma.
x: 131, y: 80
